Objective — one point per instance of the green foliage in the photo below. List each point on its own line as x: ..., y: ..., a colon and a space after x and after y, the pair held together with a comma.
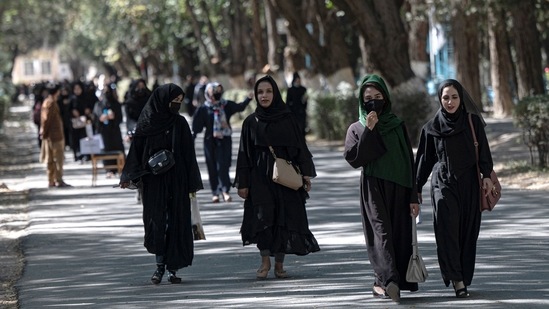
x: 532, y: 116
x: 332, y: 113
x: 6, y: 92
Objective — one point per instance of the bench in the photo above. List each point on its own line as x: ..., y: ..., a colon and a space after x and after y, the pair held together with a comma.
x: 107, y: 155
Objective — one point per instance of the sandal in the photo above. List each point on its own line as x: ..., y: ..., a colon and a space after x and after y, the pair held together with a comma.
x: 281, y: 274
x: 460, y: 289
x: 262, y: 272
x: 379, y: 292
x: 158, y: 274
x: 172, y: 278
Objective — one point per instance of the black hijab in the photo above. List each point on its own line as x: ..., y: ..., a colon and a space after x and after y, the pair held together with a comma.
x: 276, y: 125
x: 445, y: 124
x: 277, y: 110
x: 156, y: 116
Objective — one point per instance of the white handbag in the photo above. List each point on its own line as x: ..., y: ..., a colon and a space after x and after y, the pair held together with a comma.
x: 416, y: 272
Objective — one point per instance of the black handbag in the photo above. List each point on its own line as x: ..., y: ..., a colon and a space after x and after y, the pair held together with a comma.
x: 162, y: 160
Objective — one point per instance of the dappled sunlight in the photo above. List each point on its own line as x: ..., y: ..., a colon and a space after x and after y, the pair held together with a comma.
x: 84, y: 248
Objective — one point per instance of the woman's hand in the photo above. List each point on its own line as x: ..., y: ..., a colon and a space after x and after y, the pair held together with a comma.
x: 307, y: 183
x: 487, y: 185
x: 243, y: 193
x: 414, y: 209
x: 371, y: 120
x: 124, y: 184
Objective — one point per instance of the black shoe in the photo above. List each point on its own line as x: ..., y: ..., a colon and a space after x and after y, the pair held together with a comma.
x: 460, y: 289
x: 158, y: 274
x: 172, y: 278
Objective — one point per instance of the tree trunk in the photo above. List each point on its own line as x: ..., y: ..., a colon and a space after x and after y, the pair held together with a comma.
x: 500, y: 62
x: 467, y: 50
x: 380, y: 24
x: 272, y: 38
x: 332, y: 46
x: 417, y: 37
x: 235, y: 63
x: 208, y: 67
x: 527, y: 48
x: 257, y: 38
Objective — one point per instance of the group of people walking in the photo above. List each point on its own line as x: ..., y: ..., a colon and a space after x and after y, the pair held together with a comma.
x: 275, y: 216
x: 392, y: 181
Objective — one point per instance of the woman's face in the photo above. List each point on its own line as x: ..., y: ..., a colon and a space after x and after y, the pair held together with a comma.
x: 175, y: 104
x: 265, y: 94
x: 77, y: 90
x: 450, y: 99
x: 371, y: 93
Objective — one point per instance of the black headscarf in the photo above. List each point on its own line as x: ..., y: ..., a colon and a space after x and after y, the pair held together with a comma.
x: 276, y: 123
x: 156, y: 116
x: 277, y: 110
x: 445, y: 124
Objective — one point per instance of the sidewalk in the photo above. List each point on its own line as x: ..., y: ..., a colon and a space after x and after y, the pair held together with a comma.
x: 83, y: 248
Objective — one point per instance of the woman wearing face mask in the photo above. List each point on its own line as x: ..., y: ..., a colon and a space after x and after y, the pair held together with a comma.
x: 379, y: 144
x: 446, y: 148
x: 275, y: 217
x: 165, y: 197
x: 215, y: 115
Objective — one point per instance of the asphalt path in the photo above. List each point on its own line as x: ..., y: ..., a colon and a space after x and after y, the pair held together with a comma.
x: 83, y: 248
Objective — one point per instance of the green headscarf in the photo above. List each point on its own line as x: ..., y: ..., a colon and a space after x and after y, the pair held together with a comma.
x: 396, y: 164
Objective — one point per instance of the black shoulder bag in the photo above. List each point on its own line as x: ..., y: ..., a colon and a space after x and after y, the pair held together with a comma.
x: 163, y: 160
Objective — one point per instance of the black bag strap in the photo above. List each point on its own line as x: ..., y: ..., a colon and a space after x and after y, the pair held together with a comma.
x: 173, y: 138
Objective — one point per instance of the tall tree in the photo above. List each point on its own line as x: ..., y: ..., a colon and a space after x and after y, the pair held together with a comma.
x: 500, y: 60
x: 325, y: 41
x: 418, y: 23
x: 465, y: 35
x: 380, y: 23
x: 527, y: 47
x: 259, y: 48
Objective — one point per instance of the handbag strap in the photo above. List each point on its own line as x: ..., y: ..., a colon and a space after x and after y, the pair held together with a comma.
x: 272, y: 152
x: 476, y: 148
x: 414, y: 237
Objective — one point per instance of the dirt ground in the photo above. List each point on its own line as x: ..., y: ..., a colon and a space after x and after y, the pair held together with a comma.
x: 17, y: 136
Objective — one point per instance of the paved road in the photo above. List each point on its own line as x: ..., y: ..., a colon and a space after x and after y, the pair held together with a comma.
x: 83, y: 248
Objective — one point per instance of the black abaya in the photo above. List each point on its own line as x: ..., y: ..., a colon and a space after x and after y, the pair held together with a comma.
x: 385, y: 209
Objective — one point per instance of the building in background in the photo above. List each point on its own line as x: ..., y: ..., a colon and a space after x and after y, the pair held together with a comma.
x: 40, y: 65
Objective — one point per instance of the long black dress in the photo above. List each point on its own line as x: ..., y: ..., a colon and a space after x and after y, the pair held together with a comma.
x: 385, y: 209
x: 166, y: 203
x: 275, y: 217
x: 454, y: 193
x: 109, y: 130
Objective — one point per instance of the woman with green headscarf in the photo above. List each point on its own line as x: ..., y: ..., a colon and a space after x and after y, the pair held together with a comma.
x: 379, y: 144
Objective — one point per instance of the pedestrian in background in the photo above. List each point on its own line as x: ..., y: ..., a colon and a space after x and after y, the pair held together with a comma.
x: 446, y: 148
x: 82, y: 102
x: 108, y: 117
x: 275, y: 217
x: 53, y: 140
x: 166, y: 197
x: 296, y: 98
x: 379, y: 144
x: 190, y: 83
x: 215, y: 115
x: 138, y: 96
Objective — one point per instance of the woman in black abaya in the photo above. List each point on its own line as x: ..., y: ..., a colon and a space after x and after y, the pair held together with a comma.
x: 447, y: 149
x: 166, y: 203
x: 275, y: 217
